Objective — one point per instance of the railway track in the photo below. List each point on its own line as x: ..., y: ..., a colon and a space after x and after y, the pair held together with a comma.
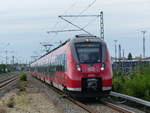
x: 86, y: 107
x: 134, y: 99
x: 92, y: 110
x: 7, y: 76
x: 81, y: 105
x: 117, y: 108
x: 137, y: 103
x: 7, y: 82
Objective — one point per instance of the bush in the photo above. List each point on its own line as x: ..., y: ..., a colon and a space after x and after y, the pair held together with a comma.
x: 23, y: 76
x: 136, y: 84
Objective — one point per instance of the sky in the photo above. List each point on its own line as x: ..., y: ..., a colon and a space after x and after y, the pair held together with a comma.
x: 24, y: 25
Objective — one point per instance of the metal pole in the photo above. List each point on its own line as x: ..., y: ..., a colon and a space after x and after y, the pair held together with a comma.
x: 143, y: 43
x: 13, y: 60
x: 119, y: 58
x: 115, y: 50
x: 119, y: 51
x: 123, y: 53
x: 115, y: 67
x: 101, y: 25
x: 6, y: 56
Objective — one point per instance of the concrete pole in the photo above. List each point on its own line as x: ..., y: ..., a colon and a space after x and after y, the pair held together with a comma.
x: 119, y: 52
x: 143, y: 43
x: 6, y: 57
x: 115, y: 50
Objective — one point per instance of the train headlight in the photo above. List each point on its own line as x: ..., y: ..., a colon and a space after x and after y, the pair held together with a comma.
x: 78, y: 67
x: 102, y: 67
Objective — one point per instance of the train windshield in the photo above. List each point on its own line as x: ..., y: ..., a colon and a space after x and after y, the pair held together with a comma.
x: 89, y: 52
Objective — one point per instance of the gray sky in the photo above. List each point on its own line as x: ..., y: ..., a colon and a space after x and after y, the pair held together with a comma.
x: 23, y: 24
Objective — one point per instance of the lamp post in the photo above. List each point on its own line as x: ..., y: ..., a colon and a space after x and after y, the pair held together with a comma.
x: 115, y: 50
x: 143, y: 43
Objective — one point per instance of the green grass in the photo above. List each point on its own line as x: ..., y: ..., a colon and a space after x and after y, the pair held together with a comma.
x: 23, y: 98
x: 136, y: 84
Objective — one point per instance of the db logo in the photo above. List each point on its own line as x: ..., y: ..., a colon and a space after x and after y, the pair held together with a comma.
x: 91, y: 69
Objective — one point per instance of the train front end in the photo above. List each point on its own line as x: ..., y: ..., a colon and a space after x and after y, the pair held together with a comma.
x: 89, y: 67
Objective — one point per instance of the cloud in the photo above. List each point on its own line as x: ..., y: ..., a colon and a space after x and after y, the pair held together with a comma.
x: 24, y: 23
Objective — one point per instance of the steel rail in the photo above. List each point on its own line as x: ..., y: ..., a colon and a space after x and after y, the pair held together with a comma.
x: 81, y: 105
x: 91, y: 110
x: 6, y: 79
x: 12, y: 74
x: 117, y: 108
x: 85, y: 107
x: 134, y: 99
x: 7, y: 82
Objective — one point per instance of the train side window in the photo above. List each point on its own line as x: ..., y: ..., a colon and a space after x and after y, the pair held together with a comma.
x: 65, y: 62
x: 61, y: 63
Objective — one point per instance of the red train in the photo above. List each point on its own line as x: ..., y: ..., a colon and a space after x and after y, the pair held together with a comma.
x: 81, y: 67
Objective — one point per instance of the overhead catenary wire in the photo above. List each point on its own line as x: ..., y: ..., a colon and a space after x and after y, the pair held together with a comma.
x: 57, y: 22
x: 79, y: 15
x: 70, y: 30
x: 80, y: 28
x: 71, y: 6
x: 85, y: 9
x: 75, y: 25
x: 90, y: 5
x: 93, y: 20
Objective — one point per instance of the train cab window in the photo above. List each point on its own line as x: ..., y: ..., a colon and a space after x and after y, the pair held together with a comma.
x: 89, y: 52
x: 103, y: 46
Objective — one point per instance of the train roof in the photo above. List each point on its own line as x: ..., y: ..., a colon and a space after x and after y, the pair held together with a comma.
x: 77, y: 38
x: 86, y: 38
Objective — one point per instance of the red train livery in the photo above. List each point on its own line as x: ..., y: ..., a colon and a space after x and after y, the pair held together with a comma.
x: 81, y: 66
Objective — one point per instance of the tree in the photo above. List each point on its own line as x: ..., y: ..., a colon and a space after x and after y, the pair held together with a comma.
x: 129, y: 56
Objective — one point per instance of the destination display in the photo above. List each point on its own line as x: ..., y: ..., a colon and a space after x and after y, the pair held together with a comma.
x: 88, y: 45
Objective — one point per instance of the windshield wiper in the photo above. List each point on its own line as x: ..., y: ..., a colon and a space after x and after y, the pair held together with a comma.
x: 89, y: 61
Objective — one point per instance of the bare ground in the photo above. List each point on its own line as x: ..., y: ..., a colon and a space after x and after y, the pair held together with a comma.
x: 28, y: 100
x: 30, y: 97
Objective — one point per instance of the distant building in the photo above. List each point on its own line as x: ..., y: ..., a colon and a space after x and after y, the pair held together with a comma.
x: 124, y: 65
